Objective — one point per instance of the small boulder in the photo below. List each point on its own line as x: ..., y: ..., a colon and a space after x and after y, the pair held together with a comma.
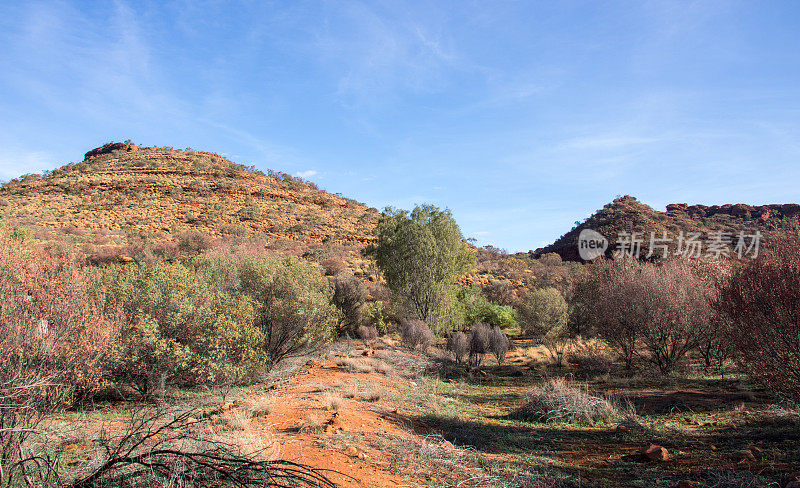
x: 655, y: 453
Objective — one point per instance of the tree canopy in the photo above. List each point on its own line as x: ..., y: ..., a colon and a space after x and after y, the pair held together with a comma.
x: 422, y: 255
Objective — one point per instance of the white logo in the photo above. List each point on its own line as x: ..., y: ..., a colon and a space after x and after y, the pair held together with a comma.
x: 591, y: 244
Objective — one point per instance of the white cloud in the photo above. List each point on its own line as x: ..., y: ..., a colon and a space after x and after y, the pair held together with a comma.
x: 306, y: 174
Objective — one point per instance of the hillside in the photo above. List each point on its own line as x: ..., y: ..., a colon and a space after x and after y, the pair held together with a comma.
x: 626, y: 214
x: 121, y: 190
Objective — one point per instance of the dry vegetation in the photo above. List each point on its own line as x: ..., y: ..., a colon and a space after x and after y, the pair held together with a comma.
x: 550, y: 373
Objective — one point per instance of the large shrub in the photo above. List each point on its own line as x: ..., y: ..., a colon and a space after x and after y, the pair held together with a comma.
x: 350, y: 297
x: 675, y: 309
x: 610, y: 305
x: 761, y: 301
x: 543, y: 311
x: 217, y: 317
x: 422, y: 254
x: 293, y: 304
x: 544, y: 315
x: 473, y: 306
x: 54, y: 337
x: 663, y: 307
x: 182, y: 327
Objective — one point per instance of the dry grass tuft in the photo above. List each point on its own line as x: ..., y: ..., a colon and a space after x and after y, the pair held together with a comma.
x: 333, y: 402
x: 311, y: 425
x: 383, y: 368
x: 356, y: 365
x: 259, y: 407
x: 558, y: 401
x: 236, y: 419
x: 350, y: 392
x: 371, y: 395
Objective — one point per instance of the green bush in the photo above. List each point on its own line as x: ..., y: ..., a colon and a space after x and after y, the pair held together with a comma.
x: 180, y: 328
x: 422, y: 255
x: 543, y: 311
x: 294, y: 309
x: 473, y: 307
x: 216, y: 318
x: 545, y: 316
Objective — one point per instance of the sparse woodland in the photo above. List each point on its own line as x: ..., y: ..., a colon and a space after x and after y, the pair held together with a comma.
x: 546, y: 344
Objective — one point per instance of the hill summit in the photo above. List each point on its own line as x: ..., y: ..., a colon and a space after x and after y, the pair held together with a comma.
x: 121, y: 189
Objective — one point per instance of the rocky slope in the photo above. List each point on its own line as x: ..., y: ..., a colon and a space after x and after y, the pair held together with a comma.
x: 121, y: 190
x: 626, y: 214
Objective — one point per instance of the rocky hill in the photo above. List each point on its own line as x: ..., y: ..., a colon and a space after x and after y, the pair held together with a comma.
x: 626, y: 214
x: 122, y: 190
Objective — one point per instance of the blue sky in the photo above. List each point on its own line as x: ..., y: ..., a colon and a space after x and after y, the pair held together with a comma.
x: 522, y: 117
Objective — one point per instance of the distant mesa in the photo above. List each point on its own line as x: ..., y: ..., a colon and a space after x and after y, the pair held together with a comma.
x: 627, y: 214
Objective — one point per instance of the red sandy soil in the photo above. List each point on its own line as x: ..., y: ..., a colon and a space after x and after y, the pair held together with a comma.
x: 351, y: 464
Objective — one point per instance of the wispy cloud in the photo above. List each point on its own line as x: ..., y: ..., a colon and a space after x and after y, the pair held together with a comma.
x: 306, y: 174
x: 383, y: 52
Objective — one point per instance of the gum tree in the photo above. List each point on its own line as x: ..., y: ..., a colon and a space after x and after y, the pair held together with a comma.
x: 422, y: 255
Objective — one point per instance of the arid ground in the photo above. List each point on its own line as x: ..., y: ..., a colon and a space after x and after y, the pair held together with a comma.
x: 379, y: 415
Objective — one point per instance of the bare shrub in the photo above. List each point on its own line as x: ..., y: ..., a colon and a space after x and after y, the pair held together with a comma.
x: 416, y: 334
x: 558, y: 401
x: 333, y: 266
x: 478, y: 343
x: 367, y: 333
x: 761, y: 302
x: 675, y: 306
x: 166, y: 250
x: 498, y: 344
x: 590, y: 358
x: 165, y: 450
x: 665, y: 307
x: 349, y: 296
x: 458, y: 345
x: 193, y: 242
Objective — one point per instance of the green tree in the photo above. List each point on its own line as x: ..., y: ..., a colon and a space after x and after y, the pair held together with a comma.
x: 422, y: 254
